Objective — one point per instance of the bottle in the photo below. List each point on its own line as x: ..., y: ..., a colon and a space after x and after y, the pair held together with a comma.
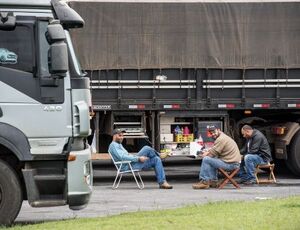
x: 200, y: 140
x: 186, y: 131
x: 177, y: 130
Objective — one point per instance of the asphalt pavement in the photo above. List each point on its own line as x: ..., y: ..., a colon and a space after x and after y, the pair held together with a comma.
x: 181, y: 173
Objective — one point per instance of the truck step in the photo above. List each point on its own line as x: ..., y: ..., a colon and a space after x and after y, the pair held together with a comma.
x: 48, y: 203
x: 49, y: 177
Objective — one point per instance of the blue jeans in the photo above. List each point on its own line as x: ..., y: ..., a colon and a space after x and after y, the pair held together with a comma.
x: 154, y: 161
x: 248, y: 166
x: 210, y: 165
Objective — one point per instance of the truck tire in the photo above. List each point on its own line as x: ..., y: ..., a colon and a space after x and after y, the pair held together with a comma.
x: 293, y: 161
x: 10, y: 194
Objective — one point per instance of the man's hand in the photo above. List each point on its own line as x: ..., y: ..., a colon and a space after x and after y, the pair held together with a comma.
x: 143, y: 159
x: 205, y: 153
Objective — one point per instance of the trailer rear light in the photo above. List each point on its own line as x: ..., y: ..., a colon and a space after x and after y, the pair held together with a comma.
x: 226, y: 106
x: 173, y: 106
x: 261, y: 105
x: 140, y: 106
x: 91, y: 111
x: 293, y: 105
x: 278, y: 130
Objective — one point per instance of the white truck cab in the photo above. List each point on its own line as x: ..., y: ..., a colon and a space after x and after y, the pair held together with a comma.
x: 45, y: 106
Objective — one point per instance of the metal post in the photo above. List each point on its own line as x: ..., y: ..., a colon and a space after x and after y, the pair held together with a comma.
x: 157, y: 130
x: 199, y: 88
x: 153, y: 129
x: 97, y: 131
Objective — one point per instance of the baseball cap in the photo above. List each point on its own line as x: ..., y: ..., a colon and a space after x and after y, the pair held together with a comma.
x: 212, y: 128
x: 118, y: 131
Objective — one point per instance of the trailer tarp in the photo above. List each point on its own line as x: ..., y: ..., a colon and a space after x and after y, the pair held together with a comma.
x: 188, y: 35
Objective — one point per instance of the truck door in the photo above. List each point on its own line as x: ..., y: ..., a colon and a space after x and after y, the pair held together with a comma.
x: 31, y: 100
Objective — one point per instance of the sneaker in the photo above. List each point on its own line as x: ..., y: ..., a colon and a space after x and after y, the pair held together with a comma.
x: 165, y: 185
x: 201, y: 185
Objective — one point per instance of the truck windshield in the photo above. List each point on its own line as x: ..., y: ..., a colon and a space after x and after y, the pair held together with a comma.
x: 75, y: 68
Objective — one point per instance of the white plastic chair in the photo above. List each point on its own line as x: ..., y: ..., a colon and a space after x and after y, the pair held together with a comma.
x: 118, y: 165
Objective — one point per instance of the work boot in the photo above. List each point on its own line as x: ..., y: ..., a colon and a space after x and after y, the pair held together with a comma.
x: 164, y: 155
x: 240, y: 180
x: 214, y: 184
x: 201, y: 185
x: 165, y: 185
x: 249, y: 182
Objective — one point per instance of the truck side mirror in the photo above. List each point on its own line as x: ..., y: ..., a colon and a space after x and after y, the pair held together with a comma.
x: 7, y: 21
x: 68, y: 17
x: 58, y: 58
x: 58, y: 51
x: 55, y: 32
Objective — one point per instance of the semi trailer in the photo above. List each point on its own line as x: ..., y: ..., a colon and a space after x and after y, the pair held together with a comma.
x: 44, y: 109
x: 165, y: 70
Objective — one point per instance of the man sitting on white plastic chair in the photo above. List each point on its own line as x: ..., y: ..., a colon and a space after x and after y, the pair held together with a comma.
x: 146, y: 158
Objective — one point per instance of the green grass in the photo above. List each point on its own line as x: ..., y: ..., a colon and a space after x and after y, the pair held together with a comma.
x: 265, y: 214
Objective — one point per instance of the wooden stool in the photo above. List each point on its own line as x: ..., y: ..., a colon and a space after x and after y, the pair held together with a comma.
x: 228, y: 177
x: 271, y: 178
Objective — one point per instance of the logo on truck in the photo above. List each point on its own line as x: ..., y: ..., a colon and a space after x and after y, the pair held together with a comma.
x: 53, y: 108
x: 8, y: 57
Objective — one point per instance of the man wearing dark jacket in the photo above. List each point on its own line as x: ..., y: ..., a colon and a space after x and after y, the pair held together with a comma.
x: 256, y: 151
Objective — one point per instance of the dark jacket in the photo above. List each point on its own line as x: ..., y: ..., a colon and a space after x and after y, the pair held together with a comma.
x: 258, y: 145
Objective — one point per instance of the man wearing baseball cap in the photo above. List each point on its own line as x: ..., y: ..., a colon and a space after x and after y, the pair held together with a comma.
x: 224, y: 154
x: 146, y: 158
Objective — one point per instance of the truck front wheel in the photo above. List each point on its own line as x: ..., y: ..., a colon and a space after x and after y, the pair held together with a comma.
x: 293, y: 161
x: 10, y: 194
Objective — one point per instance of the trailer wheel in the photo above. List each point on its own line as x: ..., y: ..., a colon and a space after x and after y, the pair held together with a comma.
x: 293, y: 161
x: 10, y: 194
